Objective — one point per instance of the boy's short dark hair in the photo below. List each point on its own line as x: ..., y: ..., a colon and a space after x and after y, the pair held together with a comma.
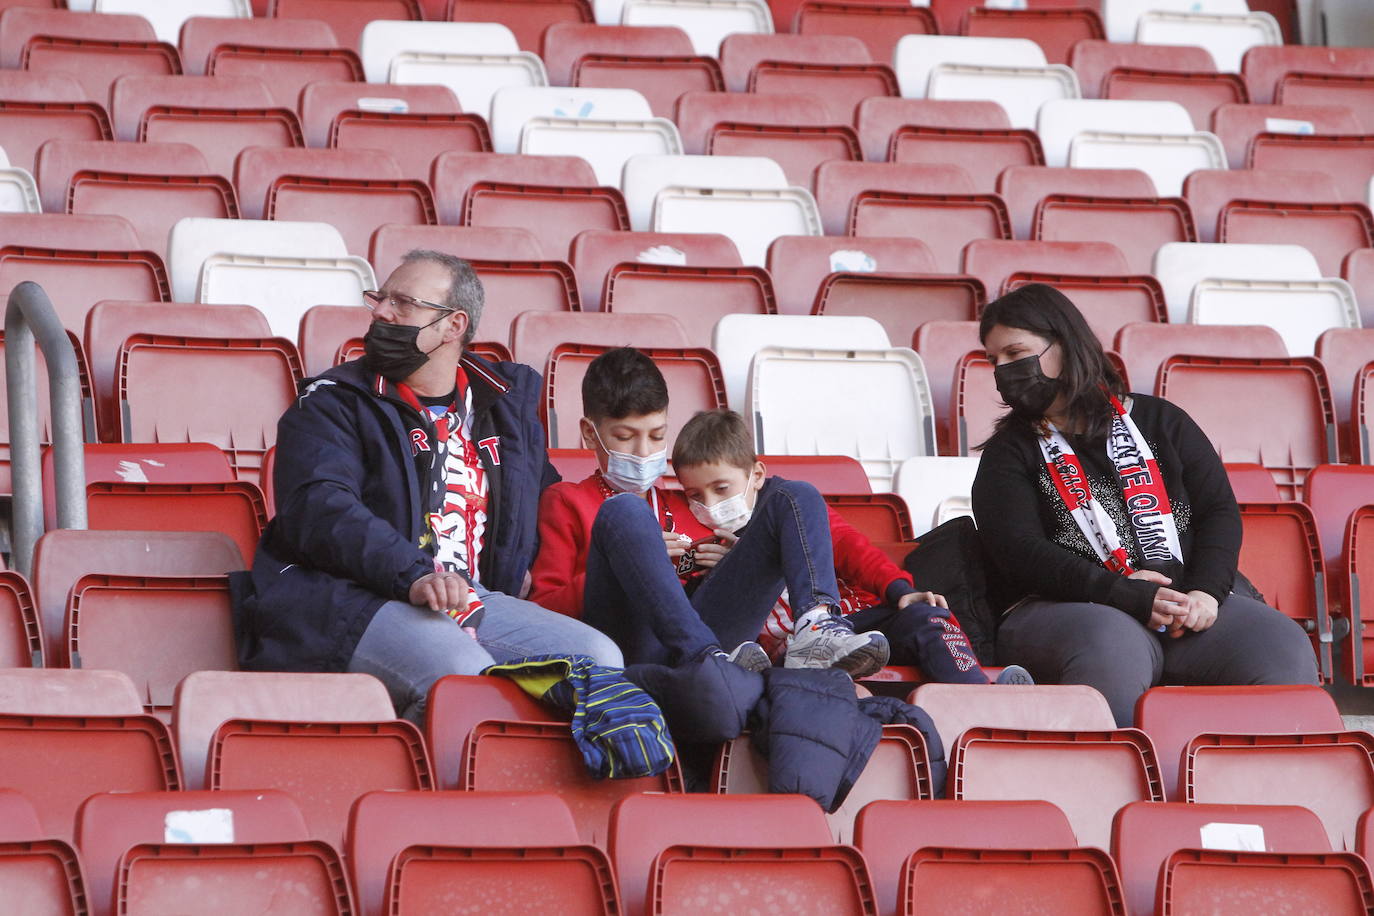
x: 622, y: 383
x: 715, y: 436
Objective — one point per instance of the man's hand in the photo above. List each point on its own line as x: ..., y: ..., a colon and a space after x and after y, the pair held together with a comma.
x: 675, y: 545
x: 440, y: 591
x: 709, y: 554
x: 922, y: 598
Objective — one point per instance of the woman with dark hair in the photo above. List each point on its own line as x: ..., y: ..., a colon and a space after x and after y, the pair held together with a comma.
x: 1112, y: 524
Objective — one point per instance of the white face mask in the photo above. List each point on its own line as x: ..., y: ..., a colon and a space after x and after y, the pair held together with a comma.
x: 731, y: 513
x: 630, y: 473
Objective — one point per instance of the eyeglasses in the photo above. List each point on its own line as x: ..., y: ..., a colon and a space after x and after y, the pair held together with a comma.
x: 399, y: 301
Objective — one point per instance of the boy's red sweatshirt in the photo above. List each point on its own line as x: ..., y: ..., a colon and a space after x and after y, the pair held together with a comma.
x: 566, y: 512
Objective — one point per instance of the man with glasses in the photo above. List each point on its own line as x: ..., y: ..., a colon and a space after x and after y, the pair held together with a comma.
x: 407, y: 486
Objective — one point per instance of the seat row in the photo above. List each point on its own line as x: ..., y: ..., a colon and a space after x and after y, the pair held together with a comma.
x: 328, y: 740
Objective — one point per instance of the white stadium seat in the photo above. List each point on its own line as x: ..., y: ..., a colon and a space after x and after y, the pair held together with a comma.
x: 1180, y: 266
x: 738, y: 337
x: 1300, y: 310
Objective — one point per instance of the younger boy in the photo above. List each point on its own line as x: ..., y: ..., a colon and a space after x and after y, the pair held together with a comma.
x: 632, y: 560
x: 725, y: 484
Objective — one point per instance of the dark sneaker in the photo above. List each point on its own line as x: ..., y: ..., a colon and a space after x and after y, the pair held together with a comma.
x: 820, y: 639
x: 1016, y: 676
x: 751, y: 657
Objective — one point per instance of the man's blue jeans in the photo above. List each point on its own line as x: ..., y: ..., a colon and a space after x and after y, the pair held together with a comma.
x: 633, y: 593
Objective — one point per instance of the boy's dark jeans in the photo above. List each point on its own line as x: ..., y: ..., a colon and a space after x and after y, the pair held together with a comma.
x: 633, y: 593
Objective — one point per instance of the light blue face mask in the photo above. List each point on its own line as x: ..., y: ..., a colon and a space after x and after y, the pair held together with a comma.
x: 631, y: 473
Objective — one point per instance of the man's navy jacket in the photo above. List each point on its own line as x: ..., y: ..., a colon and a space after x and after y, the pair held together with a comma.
x: 351, y: 508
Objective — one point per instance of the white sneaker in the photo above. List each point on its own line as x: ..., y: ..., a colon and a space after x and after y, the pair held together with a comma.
x: 821, y: 639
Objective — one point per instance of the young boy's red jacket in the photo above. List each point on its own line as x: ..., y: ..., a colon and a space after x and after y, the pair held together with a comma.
x: 567, y: 510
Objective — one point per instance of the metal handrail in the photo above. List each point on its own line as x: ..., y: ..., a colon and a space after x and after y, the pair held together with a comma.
x: 28, y: 315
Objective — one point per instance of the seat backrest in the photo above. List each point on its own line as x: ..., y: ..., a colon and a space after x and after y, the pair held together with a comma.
x: 1046, y: 707
x: 1204, y: 386
x: 1300, y: 310
x: 391, y: 242
x: 839, y: 183
x: 206, y: 699
x: 740, y: 53
x: 63, y: 555
x: 1333, y: 882
x: 798, y: 263
x: 994, y: 260
x: 454, y: 173
x: 595, y: 252
x: 457, y: 703
x: 84, y: 231
x: 132, y: 95
x: 108, y: 824
x: 1173, y: 716
x: 1094, y: 59
x: 1144, y: 835
x: 325, y: 329
x: 193, y: 240
x: 889, y: 831
x: 59, y: 160
x: 383, y: 824
x: 1208, y: 191
x: 23, y: 23
x: 1145, y: 346
x: 1265, y: 66
x: 929, y: 483
x: 696, y: 113
x: 642, y: 826
x: 1335, y: 491
x: 64, y: 692
x: 258, y: 168
x: 1024, y: 186
x: 322, y: 102
x: 1061, y: 120
x: 878, y: 117
x: 76, y: 280
x: 1238, y: 124
x: 1252, y: 483
x: 646, y: 175
x: 917, y: 56
x: 201, y: 35
x: 1283, y: 556
x: 1122, y: 17
x: 382, y: 41
x: 1181, y: 265
x: 535, y: 335
x: 565, y: 42
x: 21, y: 640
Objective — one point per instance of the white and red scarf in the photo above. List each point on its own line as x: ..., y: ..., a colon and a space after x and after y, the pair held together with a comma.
x: 1142, y: 488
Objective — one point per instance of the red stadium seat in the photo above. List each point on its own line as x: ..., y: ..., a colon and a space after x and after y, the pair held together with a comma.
x: 1208, y: 191
x: 1056, y: 31
x: 414, y: 140
x: 286, y: 71
x: 39, y: 874
x: 534, y: 335
x: 21, y: 24
x: 201, y: 35
x: 696, y: 296
x: 692, y: 374
x: 642, y: 826
x: 741, y: 53
x: 942, y: 345
x: 108, y: 824
x: 132, y: 97
x: 876, y: 23
x: 1090, y: 775
x: 1108, y: 303
x: 59, y: 160
x: 799, y: 150
x: 322, y: 103
x: 657, y: 61
x: 1294, y: 388
x: 97, y: 63
x: 1336, y: 783
x: 1348, y: 159
x: 357, y: 207
x: 842, y: 87
x: 457, y: 703
x: 798, y: 264
x: 77, y: 279
x: 1343, y: 90
x: 595, y: 252
x: 109, y: 324
x: 1145, y: 347
x: 898, y: 769
x: 162, y: 877
x: 1252, y: 483
x: 1052, y: 707
x: 1229, y: 882
x: 881, y: 517
x: 1357, y: 571
x: 528, y: 19
x: 390, y: 243
x: 69, y: 231
x: 1281, y: 555
x: 1358, y: 270
x: 153, y: 202
x: 28, y: 125
x: 951, y: 14
x: 345, y: 17
x: 257, y: 171
x: 1173, y: 716
x: 515, y: 287
x: 1070, y: 880
x: 817, y: 881
x: 1137, y: 226
x: 1023, y: 187
x: 1145, y: 834
x: 880, y: 117
x: 900, y: 302
x: 888, y: 832
x: 326, y: 328
x: 1346, y: 352
x: 697, y: 113
x: 1263, y: 67
x: 1237, y: 125
x: 1334, y: 492
x: 258, y: 377
x: 828, y: 473
x: 1200, y: 93
x: 983, y: 154
x: 21, y: 640
x: 993, y: 261
x: 1330, y: 231
x: 947, y: 222
x: 489, y: 826
x: 839, y: 183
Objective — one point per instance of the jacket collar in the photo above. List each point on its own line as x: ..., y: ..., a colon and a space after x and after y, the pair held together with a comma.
x: 487, y: 386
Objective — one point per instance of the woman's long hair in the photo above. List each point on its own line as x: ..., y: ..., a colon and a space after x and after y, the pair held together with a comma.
x: 1086, y: 371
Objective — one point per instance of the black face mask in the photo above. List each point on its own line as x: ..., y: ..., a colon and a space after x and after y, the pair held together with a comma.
x: 1024, y: 387
x: 390, y: 349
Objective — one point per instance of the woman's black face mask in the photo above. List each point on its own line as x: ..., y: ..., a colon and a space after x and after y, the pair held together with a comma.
x: 390, y: 350
x: 1024, y: 386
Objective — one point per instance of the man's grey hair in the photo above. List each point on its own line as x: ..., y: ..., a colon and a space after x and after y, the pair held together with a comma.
x: 465, y: 292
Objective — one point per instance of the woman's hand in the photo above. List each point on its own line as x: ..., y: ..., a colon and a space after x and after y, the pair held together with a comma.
x: 709, y: 554
x: 923, y: 598
x: 1202, y: 613
x: 1170, y: 607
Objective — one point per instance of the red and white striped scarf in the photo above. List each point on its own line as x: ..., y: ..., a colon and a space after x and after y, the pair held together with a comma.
x: 1142, y: 488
